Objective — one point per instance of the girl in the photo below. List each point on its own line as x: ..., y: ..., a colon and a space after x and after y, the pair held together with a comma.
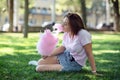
x: 75, y: 49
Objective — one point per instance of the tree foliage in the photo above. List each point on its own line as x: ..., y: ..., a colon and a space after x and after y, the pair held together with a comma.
x: 73, y: 5
x: 3, y: 5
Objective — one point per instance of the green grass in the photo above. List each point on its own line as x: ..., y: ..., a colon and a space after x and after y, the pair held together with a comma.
x: 16, y: 52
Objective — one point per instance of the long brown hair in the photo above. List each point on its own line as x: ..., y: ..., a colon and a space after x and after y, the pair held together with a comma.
x: 75, y: 22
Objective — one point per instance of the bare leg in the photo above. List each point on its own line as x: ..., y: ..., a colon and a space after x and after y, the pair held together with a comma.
x: 48, y: 60
x: 48, y: 64
x: 49, y: 67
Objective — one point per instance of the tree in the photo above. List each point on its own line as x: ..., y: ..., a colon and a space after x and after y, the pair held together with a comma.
x: 83, y: 9
x: 10, y: 6
x: 2, y: 11
x: 116, y: 15
x: 26, y: 14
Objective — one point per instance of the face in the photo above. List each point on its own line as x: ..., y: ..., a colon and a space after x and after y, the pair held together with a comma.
x: 66, y: 26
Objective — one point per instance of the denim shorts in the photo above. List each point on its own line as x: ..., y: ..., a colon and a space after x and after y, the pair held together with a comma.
x: 68, y: 62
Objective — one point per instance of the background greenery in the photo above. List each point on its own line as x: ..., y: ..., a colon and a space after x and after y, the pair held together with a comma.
x: 16, y: 52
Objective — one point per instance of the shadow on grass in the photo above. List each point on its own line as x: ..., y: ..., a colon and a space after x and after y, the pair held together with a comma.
x: 18, y: 47
x: 16, y: 67
x: 104, y: 45
x: 108, y: 64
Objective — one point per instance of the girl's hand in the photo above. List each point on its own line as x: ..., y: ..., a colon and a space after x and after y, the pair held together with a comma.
x: 97, y: 74
x: 44, y: 57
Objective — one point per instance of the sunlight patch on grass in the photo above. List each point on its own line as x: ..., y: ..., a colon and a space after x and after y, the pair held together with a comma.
x: 96, y: 37
x: 96, y: 45
x: 25, y: 51
x: 5, y: 51
x: 16, y: 52
x: 110, y: 51
x: 6, y: 42
x: 105, y: 36
x: 105, y: 51
x: 15, y: 35
x: 105, y: 61
x: 25, y: 45
x: 14, y: 62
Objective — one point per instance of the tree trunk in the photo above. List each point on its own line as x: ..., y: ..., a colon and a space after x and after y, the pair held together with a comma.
x: 83, y: 8
x: 25, y: 27
x: 116, y: 15
x: 96, y: 17
x: 10, y: 9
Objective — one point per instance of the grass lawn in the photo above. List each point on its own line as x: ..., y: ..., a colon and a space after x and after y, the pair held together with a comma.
x: 16, y: 52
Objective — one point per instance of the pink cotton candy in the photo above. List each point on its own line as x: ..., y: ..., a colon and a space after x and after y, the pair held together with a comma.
x: 46, y: 43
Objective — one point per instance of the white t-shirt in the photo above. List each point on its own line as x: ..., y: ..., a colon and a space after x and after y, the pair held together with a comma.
x: 75, y: 45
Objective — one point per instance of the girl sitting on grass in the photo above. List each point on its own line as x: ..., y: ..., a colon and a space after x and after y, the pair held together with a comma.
x: 75, y: 49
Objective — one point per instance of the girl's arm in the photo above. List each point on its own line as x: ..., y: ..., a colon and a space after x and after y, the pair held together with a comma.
x: 88, y: 49
x: 57, y: 51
